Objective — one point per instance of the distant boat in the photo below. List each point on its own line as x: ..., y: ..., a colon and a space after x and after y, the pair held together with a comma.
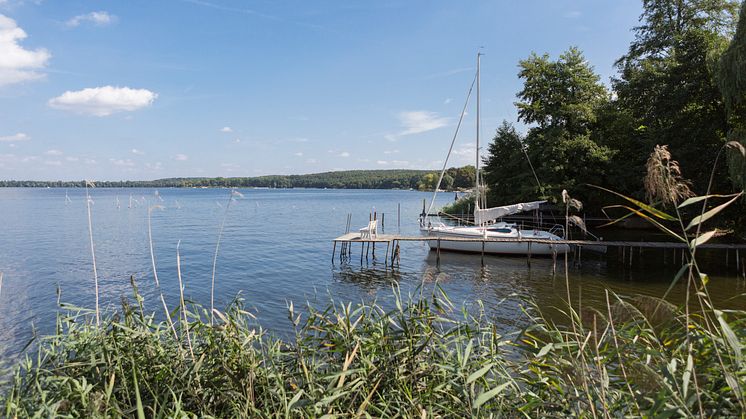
x: 485, y: 225
x: 67, y: 198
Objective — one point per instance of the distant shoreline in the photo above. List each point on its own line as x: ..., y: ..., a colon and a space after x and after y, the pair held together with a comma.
x: 347, y: 179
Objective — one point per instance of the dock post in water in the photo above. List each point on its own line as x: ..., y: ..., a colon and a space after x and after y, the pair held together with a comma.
x: 398, y: 216
x: 437, y: 259
x: 482, y: 252
x: 334, y: 250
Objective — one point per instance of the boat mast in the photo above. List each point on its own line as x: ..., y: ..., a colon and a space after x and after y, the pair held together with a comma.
x: 476, y: 199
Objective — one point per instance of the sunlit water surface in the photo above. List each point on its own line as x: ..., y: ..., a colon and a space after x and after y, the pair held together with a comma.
x: 276, y: 248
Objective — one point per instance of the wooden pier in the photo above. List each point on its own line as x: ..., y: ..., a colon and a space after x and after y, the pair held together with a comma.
x: 625, y: 248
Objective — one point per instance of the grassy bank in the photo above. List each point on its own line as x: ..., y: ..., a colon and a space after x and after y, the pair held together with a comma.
x: 422, y: 358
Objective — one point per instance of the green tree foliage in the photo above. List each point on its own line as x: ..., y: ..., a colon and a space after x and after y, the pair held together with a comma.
x: 506, y: 169
x: 667, y: 83
x: 732, y: 83
x: 561, y: 98
x: 455, y: 177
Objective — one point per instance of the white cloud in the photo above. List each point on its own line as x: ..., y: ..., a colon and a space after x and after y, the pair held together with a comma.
x: 138, y: 152
x: 181, y: 157
x: 97, y: 18
x: 20, y: 136
x: 53, y: 153
x: 90, y: 161
x: 103, y: 101
x: 312, y: 161
x: 226, y: 129
x: 18, y: 64
x: 120, y: 162
x: 299, y: 154
x: 382, y: 162
x: 390, y: 151
x: 572, y: 14
x: 416, y: 122
x: 344, y: 154
x: 447, y: 101
x: 71, y: 159
x: 53, y: 163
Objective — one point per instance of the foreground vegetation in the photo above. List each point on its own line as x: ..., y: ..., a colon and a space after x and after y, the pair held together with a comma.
x: 417, y: 359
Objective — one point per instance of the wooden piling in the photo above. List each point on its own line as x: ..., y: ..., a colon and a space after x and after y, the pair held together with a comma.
x: 482, y: 252
x: 398, y: 216
x: 437, y: 259
x: 528, y: 259
x: 334, y: 251
x: 383, y: 222
x: 386, y: 258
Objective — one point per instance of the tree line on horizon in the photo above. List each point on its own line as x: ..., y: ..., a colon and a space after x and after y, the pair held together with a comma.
x: 454, y: 178
x: 681, y: 84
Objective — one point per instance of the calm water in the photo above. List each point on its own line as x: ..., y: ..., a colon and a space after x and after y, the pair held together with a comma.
x: 276, y: 248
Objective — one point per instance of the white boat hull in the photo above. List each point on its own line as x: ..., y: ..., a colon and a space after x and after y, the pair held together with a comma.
x: 495, y: 247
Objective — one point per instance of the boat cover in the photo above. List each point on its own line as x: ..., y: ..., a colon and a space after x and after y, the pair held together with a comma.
x: 482, y: 216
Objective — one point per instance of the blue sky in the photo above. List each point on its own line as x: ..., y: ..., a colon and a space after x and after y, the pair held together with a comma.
x: 145, y: 89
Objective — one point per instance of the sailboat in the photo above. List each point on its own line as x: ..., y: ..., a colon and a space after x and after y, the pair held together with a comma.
x: 516, y: 239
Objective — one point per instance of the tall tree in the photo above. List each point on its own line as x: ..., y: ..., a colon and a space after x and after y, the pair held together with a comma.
x: 561, y: 98
x: 732, y: 82
x: 666, y: 80
x: 506, y: 169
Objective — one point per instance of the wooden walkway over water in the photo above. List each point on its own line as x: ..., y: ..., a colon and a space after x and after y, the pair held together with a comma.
x: 625, y: 247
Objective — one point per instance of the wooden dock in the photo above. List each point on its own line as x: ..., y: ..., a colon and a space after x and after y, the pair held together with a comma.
x: 625, y: 247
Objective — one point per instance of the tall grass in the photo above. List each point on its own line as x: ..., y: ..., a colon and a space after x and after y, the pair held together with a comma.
x: 419, y: 356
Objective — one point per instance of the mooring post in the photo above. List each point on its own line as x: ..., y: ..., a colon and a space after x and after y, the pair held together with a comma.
x: 383, y: 221
x: 437, y: 258
x: 554, y: 260
x: 727, y: 262
x: 738, y: 261
x: 528, y: 260
x: 386, y: 258
x: 398, y: 216
x: 334, y: 250
x: 362, y: 250
x: 482, y: 252
x: 374, y: 250
x: 630, y: 257
x: 580, y: 255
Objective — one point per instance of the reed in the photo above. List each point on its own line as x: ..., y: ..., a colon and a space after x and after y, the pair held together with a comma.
x: 88, y: 202
x: 417, y: 356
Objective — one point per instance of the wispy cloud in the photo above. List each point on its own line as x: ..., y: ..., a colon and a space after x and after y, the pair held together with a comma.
x: 18, y: 64
x: 20, y: 136
x: 101, y: 18
x: 572, y: 14
x: 298, y: 154
x: 121, y: 162
x: 226, y: 129
x: 181, y: 157
x: 138, y: 152
x: 250, y: 12
x: 53, y: 153
x: 417, y: 122
x: 344, y: 154
x: 103, y: 101
x: 448, y: 73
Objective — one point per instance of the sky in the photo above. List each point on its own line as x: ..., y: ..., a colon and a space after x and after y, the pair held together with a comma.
x: 148, y: 89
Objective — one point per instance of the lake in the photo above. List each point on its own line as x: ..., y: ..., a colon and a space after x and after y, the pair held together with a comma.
x: 276, y: 248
